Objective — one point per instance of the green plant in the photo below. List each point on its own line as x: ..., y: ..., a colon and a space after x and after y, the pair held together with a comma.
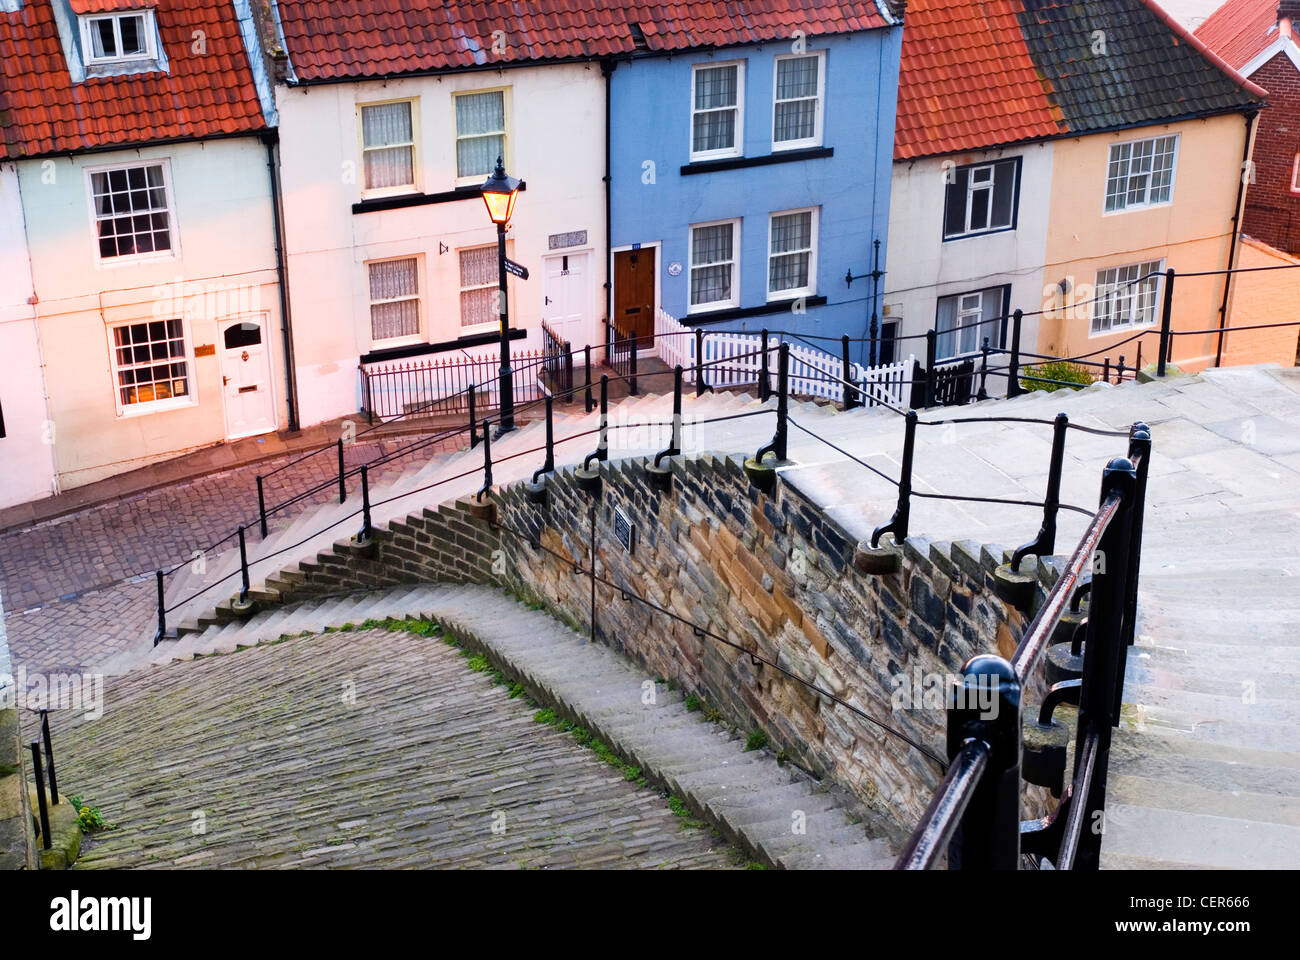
x: 479, y: 663
x: 89, y: 818
x: 757, y: 740
x: 692, y: 703
x: 1060, y: 370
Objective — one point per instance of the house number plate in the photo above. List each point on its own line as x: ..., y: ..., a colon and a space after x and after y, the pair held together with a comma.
x: 624, y: 531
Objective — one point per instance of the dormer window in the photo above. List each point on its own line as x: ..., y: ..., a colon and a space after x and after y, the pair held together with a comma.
x: 118, y: 37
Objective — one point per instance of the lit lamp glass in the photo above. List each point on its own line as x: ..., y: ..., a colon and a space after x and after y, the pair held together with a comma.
x: 500, y: 193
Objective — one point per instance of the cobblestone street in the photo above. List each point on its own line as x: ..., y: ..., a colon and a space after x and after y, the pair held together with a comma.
x: 302, y: 754
x: 76, y: 588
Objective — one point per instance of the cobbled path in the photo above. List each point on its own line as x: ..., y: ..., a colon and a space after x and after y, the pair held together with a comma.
x: 66, y: 583
x: 262, y: 749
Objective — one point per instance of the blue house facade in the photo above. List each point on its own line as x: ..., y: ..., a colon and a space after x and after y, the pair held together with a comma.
x: 747, y: 181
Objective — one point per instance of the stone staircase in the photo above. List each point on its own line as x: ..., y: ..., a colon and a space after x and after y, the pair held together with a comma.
x: 1204, y: 772
x: 749, y: 795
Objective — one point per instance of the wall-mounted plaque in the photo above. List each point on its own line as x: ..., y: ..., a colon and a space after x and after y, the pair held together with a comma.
x: 574, y: 238
x: 205, y: 350
x: 624, y: 531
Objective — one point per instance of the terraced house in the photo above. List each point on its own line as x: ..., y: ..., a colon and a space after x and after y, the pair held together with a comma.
x: 750, y: 168
x: 1059, y: 158
x: 138, y: 158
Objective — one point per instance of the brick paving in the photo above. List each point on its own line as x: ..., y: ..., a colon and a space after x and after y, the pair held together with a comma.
x: 66, y: 583
x: 415, y: 771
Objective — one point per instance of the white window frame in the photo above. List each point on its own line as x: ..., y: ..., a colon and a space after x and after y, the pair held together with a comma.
x: 173, y: 228
x: 495, y: 284
x: 1146, y: 268
x: 1145, y: 204
x: 816, y: 139
x: 966, y: 315
x: 810, y: 288
x: 369, y: 193
x: 734, y: 301
x: 1295, y: 174
x: 148, y: 31
x: 506, y: 118
x: 124, y: 410
x: 738, y: 148
x: 419, y: 336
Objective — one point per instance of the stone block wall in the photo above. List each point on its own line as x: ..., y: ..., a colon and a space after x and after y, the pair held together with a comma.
x: 17, y: 838
x: 775, y: 577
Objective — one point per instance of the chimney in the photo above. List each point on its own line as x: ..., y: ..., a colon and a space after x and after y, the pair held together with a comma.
x: 1288, y: 10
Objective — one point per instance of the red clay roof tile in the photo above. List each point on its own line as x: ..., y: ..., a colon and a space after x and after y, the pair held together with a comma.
x: 351, y: 39
x: 1240, y: 29
x: 42, y: 111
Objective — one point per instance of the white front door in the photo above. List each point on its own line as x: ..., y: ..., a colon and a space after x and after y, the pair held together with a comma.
x: 246, y: 378
x: 566, y: 297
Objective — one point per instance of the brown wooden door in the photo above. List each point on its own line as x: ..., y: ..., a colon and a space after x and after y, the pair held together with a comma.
x: 634, y: 292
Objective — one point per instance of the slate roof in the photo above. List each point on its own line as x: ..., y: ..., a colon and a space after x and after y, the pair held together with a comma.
x: 42, y: 111
x: 1240, y: 29
x: 976, y: 75
x: 353, y: 39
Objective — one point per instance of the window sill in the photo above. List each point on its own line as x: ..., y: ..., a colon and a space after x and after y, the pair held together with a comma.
x: 130, y: 259
x: 1137, y: 208
x: 375, y: 204
x: 1127, y: 328
x: 424, y: 349
x: 979, y: 233
x: 740, y: 163
x: 134, y: 410
x: 740, y: 313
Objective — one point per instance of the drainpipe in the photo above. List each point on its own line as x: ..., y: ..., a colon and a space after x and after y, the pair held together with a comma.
x: 282, y: 278
x: 607, y: 68
x: 1236, y: 236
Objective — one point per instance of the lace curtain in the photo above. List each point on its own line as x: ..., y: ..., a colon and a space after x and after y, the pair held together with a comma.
x: 389, y: 145
x: 791, y: 247
x: 395, y: 285
x: 479, y: 277
x: 711, y: 266
x: 480, y: 132
x: 715, y: 92
x: 796, y: 95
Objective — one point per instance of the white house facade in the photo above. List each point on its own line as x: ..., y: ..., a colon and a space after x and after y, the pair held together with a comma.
x: 145, y: 178
x: 967, y: 234
x: 391, y: 254
x: 25, y: 426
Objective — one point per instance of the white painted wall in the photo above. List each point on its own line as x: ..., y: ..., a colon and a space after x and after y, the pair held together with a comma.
x: 555, y: 120
x: 923, y: 267
x: 26, y: 463
x: 223, y: 266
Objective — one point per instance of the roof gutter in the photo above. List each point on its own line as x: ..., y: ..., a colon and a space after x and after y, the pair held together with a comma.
x: 1236, y: 236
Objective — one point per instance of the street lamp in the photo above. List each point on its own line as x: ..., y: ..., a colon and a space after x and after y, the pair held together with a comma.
x: 499, y: 194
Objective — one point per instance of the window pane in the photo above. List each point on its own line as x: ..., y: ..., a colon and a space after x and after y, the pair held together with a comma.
x: 715, y: 87
x: 796, y: 78
x: 715, y: 130
x: 140, y: 376
x: 711, y: 244
x: 398, y: 319
x: 478, y: 266
x: 103, y: 41
x: 478, y: 306
x: 478, y: 113
x: 131, y: 210
x: 710, y: 284
x: 787, y: 272
x: 796, y: 120
x: 477, y: 156
x: 792, y: 231
x: 132, y: 29
x: 392, y: 279
x: 386, y: 124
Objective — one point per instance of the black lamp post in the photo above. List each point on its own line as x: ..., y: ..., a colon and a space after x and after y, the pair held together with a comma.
x: 500, y: 193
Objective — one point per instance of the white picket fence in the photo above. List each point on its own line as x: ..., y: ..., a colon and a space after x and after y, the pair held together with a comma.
x: 732, y: 359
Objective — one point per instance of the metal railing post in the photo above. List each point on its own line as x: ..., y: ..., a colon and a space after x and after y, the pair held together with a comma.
x: 1104, y: 644
x: 984, y: 371
x: 850, y: 393
x: 1166, y: 323
x: 473, y: 423
x: 364, y: 535
x: 602, y: 449
x: 986, y: 706
x: 931, y: 363
x: 49, y: 756
x: 700, y: 386
x: 261, y: 506
x: 243, y: 564
x: 1044, y: 545
x: 162, y: 611
x: 765, y: 386
x: 1139, y: 452
x: 902, y: 513
x: 779, y: 442
x: 487, y: 463
x: 631, y: 376
x: 568, y: 372
x: 590, y: 403
x: 549, y: 465
x: 1105, y: 369
x: 343, y: 480
x: 39, y: 775
x: 1013, y: 367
